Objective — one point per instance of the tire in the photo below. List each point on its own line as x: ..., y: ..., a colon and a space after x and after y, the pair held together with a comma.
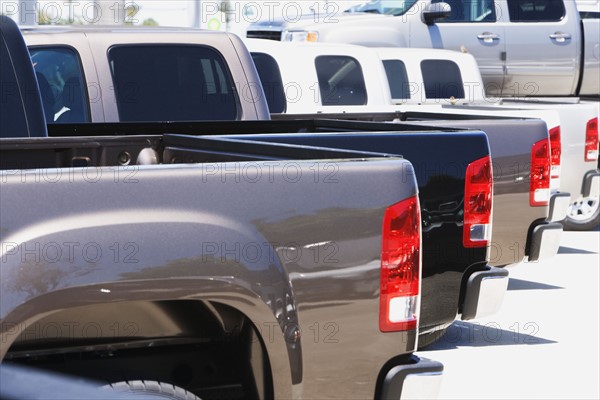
x: 583, y: 215
x: 152, y: 390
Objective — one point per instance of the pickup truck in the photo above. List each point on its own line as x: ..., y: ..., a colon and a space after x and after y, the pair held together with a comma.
x: 432, y: 80
x: 443, y: 273
x: 555, y: 59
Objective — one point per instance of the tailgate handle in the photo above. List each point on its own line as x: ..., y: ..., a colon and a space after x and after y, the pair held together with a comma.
x: 488, y: 37
x: 560, y: 37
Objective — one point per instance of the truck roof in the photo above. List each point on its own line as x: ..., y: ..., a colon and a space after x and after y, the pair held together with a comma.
x: 120, y: 29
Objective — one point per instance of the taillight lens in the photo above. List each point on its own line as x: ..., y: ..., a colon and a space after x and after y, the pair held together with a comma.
x: 400, y: 267
x: 555, y: 152
x: 539, y: 175
x: 478, y: 203
x: 591, y: 140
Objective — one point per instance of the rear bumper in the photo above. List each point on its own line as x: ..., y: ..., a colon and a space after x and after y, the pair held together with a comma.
x: 544, y: 241
x: 485, y: 293
x: 591, y: 184
x: 418, y: 380
x: 558, y: 206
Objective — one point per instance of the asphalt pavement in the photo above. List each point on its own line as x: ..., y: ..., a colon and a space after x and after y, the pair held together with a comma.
x: 543, y: 343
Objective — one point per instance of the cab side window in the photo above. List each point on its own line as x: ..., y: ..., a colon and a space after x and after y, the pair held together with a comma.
x: 61, y: 82
x: 272, y: 84
x: 397, y: 77
x: 442, y: 79
x: 470, y: 11
x: 341, y: 81
x: 536, y: 10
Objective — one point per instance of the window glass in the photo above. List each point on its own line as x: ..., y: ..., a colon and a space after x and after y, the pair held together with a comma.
x: 397, y: 79
x: 536, y: 10
x: 442, y: 79
x: 62, y: 85
x: 12, y: 110
x: 470, y: 11
x: 389, y: 7
x: 589, y: 15
x: 341, y: 81
x: 270, y: 78
x: 172, y: 83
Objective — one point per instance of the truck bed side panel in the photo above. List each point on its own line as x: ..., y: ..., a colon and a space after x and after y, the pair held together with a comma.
x: 510, y: 145
x: 303, y: 238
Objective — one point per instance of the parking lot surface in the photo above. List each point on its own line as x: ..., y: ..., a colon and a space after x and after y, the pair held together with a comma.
x: 543, y: 343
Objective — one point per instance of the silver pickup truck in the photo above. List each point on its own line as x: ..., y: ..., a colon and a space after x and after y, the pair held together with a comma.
x: 523, y: 47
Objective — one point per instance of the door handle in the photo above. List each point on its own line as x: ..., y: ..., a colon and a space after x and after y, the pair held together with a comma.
x: 560, y: 37
x: 488, y: 37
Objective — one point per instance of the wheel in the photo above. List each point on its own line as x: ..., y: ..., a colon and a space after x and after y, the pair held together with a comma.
x: 152, y: 390
x: 583, y: 215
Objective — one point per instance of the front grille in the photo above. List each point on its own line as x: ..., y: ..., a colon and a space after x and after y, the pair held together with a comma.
x: 270, y: 35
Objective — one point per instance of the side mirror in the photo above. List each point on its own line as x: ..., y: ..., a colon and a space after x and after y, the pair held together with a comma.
x: 436, y: 11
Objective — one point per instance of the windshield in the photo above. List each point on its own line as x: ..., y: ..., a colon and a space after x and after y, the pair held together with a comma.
x: 389, y: 7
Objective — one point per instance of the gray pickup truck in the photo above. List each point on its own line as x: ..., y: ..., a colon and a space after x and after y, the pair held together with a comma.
x: 179, y: 273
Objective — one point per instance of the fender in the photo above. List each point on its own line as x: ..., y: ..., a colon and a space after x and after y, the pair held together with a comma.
x: 57, y: 264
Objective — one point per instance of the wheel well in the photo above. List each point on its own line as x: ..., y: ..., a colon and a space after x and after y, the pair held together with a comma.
x: 209, y: 349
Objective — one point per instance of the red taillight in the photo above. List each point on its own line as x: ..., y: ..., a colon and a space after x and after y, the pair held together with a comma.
x: 555, y: 152
x: 400, y: 266
x: 539, y: 175
x: 591, y: 140
x: 478, y: 203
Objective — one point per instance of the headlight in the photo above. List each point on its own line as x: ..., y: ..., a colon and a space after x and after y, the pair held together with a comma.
x: 300, y: 36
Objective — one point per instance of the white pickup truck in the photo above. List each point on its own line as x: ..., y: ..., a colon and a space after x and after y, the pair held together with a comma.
x: 523, y: 47
x: 418, y: 80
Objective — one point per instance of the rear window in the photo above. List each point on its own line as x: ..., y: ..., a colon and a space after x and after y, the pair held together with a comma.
x: 397, y: 79
x: 172, y: 83
x: 62, y: 84
x: 341, y: 81
x: 442, y: 79
x: 270, y: 78
x: 536, y: 10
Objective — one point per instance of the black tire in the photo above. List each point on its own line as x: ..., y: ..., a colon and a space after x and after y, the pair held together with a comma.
x: 429, y: 338
x: 152, y: 390
x: 583, y: 215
